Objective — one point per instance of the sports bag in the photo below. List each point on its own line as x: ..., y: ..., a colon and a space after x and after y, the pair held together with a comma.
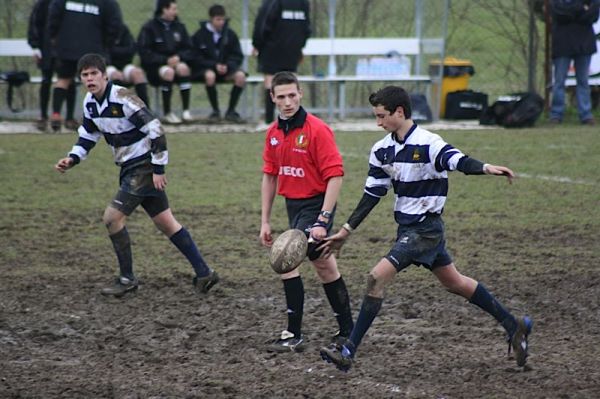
x: 514, y: 110
x: 465, y: 104
x: 14, y: 79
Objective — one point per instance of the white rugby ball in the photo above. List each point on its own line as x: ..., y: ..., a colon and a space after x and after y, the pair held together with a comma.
x: 288, y: 251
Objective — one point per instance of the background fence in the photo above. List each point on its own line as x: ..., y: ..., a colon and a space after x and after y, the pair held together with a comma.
x: 503, y: 43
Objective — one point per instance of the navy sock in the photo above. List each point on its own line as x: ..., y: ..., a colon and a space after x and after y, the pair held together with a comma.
x: 58, y: 97
x: 368, y: 311
x: 122, y: 246
x: 166, y: 92
x: 486, y: 301
x: 184, y: 242
x: 337, y: 294
x: 211, y: 92
x: 294, y: 297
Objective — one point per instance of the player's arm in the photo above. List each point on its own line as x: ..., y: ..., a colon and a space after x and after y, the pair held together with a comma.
x: 89, y: 135
x: 268, y: 190
x: 471, y: 166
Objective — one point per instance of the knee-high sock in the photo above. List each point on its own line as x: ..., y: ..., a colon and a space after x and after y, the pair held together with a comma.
x: 368, y: 311
x: 234, y: 97
x: 58, y: 97
x: 185, y: 87
x: 141, y: 89
x: 269, y: 107
x: 184, y: 242
x: 294, y: 296
x: 71, y: 97
x: 45, y: 88
x: 166, y: 90
x: 122, y: 245
x: 486, y: 301
x: 337, y: 294
x: 211, y: 92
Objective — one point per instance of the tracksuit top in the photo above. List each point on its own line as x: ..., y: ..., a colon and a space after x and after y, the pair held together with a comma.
x: 133, y: 133
x: 416, y: 168
x: 302, y: 152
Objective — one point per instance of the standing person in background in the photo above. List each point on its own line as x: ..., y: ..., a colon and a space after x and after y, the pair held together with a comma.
x: 302, y: 163
x: 121, y: 69
x: 416, y: 162
x: 218, y: 58
x: 165, y: 49
x: 139, y: 147
x: 281, y: 29
x: 39, y: 40
x: 573, y: 38
x: 76, y: 29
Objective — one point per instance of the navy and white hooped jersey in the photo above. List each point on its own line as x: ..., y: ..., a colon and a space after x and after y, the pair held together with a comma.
x: 127, y: 125
x: 417, y: 170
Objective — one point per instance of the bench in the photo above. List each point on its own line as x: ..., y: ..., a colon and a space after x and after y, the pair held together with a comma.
x: 317, y: 47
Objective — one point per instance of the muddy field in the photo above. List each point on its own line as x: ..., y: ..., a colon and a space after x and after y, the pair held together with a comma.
x: 59, y: 338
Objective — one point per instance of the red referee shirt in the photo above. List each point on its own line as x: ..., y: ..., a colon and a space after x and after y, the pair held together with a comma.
x: 304, y: 159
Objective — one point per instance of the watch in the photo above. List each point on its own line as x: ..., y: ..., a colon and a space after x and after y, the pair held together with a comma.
x: 326, y: 214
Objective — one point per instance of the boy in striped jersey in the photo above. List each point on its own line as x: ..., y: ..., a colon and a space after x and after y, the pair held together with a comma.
x: 415, y: 162
x: 139, y: 147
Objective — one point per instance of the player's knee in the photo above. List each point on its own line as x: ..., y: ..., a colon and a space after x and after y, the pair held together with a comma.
x: 167, y: 74
x: 210, y: 77
x: 375, y: 286
x: 183, y: 69
x: 239, y: 79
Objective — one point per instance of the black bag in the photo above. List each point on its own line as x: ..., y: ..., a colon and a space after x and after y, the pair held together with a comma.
x: 14, y: 79
x: 515, y: 110
x: 420, y: 109
x: 465, y: 104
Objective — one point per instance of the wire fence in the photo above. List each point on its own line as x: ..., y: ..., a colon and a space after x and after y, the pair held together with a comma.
x: 498, y: 37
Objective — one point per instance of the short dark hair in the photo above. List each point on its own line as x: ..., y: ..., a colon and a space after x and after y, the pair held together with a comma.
x: 91, y: 60
x: 161, y: 5
x: 216, y: 10
x: 284, y: 78
x: 392, y: 97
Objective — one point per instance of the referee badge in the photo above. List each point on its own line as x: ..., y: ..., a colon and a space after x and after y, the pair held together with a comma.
x: 301, y: 141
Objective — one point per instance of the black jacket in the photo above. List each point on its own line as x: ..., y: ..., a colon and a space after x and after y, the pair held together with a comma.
x: 159, y: 40
x: 280, y: 32
x: 77, y: 28
x: 124, y: 49
x: 207, y: 53
x: 573, y: 34
x: 37, y: 32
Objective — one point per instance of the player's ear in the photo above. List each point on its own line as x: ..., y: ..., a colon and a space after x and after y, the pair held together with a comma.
x: 400, y: 111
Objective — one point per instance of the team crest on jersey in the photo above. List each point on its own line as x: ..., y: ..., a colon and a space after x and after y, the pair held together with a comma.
x: 416, y: 156
x: 274, y: 141
x: 301, y: 141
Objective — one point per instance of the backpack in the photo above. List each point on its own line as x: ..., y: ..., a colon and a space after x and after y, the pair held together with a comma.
x: 14, y: 79
x: 515, y: 110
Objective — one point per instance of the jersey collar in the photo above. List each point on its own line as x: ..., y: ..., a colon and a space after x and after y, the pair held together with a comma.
x: 412, y: 129
x: 105, y: 94
x: 295, y: 122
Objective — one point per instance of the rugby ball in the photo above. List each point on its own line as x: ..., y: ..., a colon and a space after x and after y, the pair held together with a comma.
x: 288, y: 251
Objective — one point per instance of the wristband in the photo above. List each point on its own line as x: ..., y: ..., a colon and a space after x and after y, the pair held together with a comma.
x: 347, y: 227
x: 319, y: 223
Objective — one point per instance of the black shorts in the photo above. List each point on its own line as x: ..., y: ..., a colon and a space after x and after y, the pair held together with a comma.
x: 198, y: 75
x: 302, y: 213
x: 421, y: 244
x: 137, y: 188
x: 66, y: 69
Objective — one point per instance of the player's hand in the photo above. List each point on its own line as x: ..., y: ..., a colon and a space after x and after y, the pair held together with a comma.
x: 333, y: 244
x: 64, y: 164
x: 173, y: 61
x: 499, y: 171
x: 318, y: 233
x: 254, y: 52
x: 265, y: 235
x: 160, y: 181
x: 221, y: 69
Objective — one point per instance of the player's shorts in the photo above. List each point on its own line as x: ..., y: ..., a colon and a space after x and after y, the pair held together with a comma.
x: 127, y: 71
x: 421, y: 244
x: 137, y: 188
x: 66, y: 69
x: 198, y: 75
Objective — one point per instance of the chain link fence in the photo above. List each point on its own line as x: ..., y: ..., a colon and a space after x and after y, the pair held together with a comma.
x: 497, y: 37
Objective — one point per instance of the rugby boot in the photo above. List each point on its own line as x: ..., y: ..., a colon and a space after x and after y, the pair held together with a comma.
x: 55, y: 122
x: 518, y: 340
x: 287, y: 342
x: 186, y: 117
x: 121, y: 286
x: 203, y: 284
x: 233, y: 117
x: 342, y: 356
x: 214, y: 117
x: 41, y: 124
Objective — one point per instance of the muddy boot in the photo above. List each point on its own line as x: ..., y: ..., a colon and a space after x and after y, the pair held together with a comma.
x: 286, y: 342
x: 121, y: 286
x: 518, y: 341
x: 204, y: 284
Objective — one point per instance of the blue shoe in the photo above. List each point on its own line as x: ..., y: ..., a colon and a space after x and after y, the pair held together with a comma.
x: 341, y: 356
x: 518, y: 340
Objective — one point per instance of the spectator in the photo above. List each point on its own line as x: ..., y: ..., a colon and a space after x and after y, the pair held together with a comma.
x: 280, y: 32
x: 102, y: 21
x: 121, y: 69
x: 165, y: 48
x: 39, y: 40
x: 217, y: 58
x: 573, y: 39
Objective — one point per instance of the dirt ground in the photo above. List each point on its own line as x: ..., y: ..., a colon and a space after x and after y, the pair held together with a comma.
x: 59, y: 338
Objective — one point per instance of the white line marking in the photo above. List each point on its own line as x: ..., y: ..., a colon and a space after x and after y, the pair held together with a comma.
x: 558, y: 179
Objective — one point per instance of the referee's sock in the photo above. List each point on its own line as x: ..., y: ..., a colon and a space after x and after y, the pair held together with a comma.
x: 184, y: 242
x: 294, y: 297
x: 337, y: 294
x: 486, y: 301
